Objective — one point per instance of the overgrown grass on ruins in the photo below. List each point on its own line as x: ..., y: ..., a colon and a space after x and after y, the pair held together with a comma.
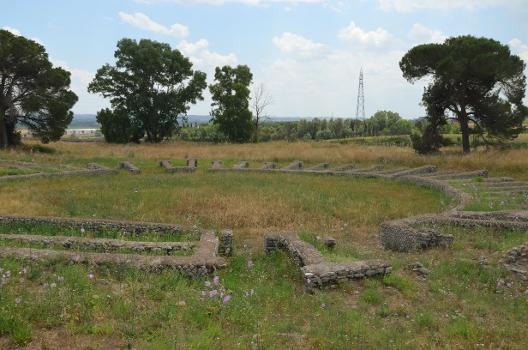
x: 459, y: 305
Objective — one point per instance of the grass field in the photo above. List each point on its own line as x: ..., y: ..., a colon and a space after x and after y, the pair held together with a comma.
x: 462, y: 304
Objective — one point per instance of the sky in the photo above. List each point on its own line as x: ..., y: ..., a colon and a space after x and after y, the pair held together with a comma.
x: 307, y: 53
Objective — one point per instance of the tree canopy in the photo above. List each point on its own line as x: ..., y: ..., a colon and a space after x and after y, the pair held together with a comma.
x: 32, y: 92
x: 476, y: 81
x: 152, y: 85
x: 231, y: 94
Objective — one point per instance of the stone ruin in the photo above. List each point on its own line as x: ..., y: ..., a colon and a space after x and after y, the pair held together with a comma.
x: 316, y: 271
x: 516, y: 260
x: 130, y: 167
x: 207, y: 255
x: 191, y: 166
x: 408, y: 234
x: 91, y: 169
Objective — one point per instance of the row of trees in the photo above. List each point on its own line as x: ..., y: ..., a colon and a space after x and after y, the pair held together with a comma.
x: 381, y: 123
x: 475, y: 81
x: 152, y: 86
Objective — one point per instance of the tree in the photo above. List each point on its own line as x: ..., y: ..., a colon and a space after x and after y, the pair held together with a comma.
x: 230, y: 94
x: 32, y: 92
x: 476, y: 81
x: 261, y: 101
x: 152, y: 85
x: 117, y: 127
x: 430, y: 140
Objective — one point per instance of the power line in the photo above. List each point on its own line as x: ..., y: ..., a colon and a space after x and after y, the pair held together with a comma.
x: 360, y: 109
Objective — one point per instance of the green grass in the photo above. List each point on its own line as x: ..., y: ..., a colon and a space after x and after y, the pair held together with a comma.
x: 458, y: 306
x: 50, y: 229
x: 490, y: 201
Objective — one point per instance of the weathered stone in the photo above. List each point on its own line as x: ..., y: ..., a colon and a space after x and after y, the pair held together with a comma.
x: 130, y: 167
x: 217, y: 164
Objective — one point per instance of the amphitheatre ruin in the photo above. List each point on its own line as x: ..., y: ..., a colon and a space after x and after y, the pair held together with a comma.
x: 210, y: 251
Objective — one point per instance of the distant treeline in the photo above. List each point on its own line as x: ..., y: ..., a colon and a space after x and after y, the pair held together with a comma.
x: 382, y: 123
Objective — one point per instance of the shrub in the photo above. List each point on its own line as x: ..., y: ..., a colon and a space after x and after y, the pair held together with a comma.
x: 117, y: 127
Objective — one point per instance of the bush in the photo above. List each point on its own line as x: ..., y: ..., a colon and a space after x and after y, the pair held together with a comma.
x: 117, y: 127
x: 430, y: 139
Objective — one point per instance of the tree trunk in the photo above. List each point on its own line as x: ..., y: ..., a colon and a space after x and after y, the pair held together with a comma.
x: 3, y: 130
x: 464, y: 128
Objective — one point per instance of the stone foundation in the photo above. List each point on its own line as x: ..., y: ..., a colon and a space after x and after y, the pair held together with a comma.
x: 130, y: 167
x: 296, y: 165
x: 203, y: 260
x: 179, y: 169
x: 225, y: 247
x: 516, y: 260
x: 316, y: 271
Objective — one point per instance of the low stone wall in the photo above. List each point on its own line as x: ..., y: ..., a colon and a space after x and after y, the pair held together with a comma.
x: 242, y: 165
x: 94, y: 169
x: 269, y: 166
x: 401, y: 236
x: 103, y: 244
x: 464, y: 175
x: 129, y: 227
x: 322, y: 166
x: 344, y: 167
x: 130, y: 167
x: 217, y: 164
x: 516, y: 260
x: 203, y: 261
x: 165, y: 164
x: 225, y: 245
x: 295, y: 165
x: 427, y: 169
x: 316, y: 271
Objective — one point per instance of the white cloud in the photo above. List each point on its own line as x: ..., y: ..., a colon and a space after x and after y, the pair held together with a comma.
x: 80, y: 78
x: 320, y: 86
x: 17, y: 32
x: 377, y: 38
x: 421, y: 34
x: 416, y: 5
x: 293, y: 43
x: 520, y: 48
x: 13, y: 31
x: 202, y: 57
x: 142, y: 21
x: 243, y: 2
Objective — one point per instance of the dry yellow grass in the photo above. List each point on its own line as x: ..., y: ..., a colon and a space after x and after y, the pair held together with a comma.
x: 512, y: 162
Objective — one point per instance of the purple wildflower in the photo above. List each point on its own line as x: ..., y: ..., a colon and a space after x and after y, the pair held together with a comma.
x: 216, y: 280
x: 226, y: 299
x: 213, y: 293
x: 250, y: 264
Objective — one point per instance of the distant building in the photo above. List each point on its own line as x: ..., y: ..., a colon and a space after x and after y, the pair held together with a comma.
x: 73, y: 132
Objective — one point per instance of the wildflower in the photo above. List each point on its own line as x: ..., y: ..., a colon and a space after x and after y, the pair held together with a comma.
x: 91, y: 275
x: 53, y: 285
x: 18, y: 300
x: 216, y: 280
x: 250, y: 264
x: 83, y: 230
x: 60, y: 279
x: 213, y: 293
x: 226, y: 299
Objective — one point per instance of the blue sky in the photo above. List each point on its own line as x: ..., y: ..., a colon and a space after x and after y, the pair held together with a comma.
x: 307, y: 53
